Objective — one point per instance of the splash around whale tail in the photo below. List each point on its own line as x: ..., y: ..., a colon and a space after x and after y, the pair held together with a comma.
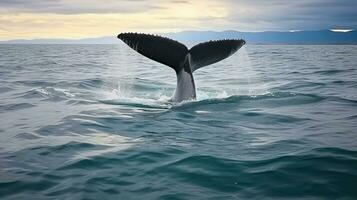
x: 173, y: 54
x: 183, y: 60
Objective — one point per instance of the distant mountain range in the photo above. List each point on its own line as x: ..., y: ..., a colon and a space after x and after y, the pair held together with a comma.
x: 268, y: 37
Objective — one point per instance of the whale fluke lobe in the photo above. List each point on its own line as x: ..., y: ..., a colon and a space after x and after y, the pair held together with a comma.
x: 163, y: 50
x: 211, y: 52
x: 177, y: 56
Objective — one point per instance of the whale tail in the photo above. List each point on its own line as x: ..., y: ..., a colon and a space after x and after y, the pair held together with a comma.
x: 183, y: 60
x: 173, y: 54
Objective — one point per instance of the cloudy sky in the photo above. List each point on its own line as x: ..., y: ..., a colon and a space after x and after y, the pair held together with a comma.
x: 30, y: 19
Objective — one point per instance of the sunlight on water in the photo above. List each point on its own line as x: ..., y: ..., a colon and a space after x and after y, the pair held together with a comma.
x: 106, y: 142
x: 110, y: 143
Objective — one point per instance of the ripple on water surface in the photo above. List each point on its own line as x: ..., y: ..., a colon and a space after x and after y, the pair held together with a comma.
x: 95, y: 122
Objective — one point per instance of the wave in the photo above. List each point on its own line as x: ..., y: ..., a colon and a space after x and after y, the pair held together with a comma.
x: 5, y: 89
x: 271, y: 98
x: 84, y: 145
x: 316, y: 169
x: 89, y: 83
x: 15, y: 106
x: 46, y: 92
x: 292, y: 98
x: 333, y: 71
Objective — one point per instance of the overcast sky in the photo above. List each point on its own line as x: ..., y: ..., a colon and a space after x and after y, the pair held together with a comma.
x: 30, y: 19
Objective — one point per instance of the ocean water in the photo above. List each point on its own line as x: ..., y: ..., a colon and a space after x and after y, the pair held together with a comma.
x: 94, y: 122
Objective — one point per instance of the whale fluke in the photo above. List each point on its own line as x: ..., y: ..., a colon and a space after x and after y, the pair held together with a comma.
x: 183, y: 60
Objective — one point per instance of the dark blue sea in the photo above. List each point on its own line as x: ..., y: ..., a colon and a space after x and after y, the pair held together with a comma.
x: 94, y: 122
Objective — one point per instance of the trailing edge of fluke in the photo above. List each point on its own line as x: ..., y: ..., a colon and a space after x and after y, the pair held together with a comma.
x: 183, y: 60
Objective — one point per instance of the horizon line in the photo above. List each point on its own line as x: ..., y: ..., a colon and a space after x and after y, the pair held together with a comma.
x: 183, y: 31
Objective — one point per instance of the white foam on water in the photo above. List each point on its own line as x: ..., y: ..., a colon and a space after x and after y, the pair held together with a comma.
x: 64, y: 91
x: 41, y: 91
x: 202, y: 112
x: 52, y: 92
x: 203, y: 95
x: 123, y: 95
